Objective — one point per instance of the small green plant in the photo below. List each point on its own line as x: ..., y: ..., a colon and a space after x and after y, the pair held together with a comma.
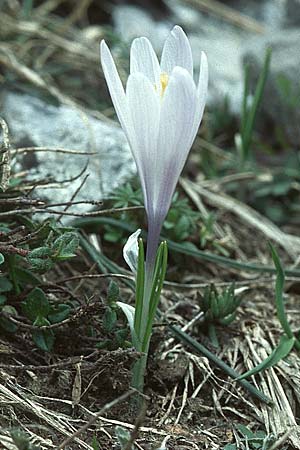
x: 37, y: 308
x: 181, y: 220
x: 62, y: 248
x: 219, y: 308
x: 116, y: 335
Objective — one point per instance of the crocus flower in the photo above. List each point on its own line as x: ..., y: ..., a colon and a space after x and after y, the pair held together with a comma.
x: 160, y: 112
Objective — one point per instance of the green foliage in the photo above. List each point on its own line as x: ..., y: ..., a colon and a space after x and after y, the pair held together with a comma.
x: 64, y: 247
x: 220, y: 307
x: 181, y: 220
x: 37, y: 308
x: 116, y: 334
x: 95, y: 444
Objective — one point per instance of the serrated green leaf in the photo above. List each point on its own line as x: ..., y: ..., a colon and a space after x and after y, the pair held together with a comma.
x: 36, y: 304
x: 280, y: 352
x: 44, y: 339
x: 65, y: 246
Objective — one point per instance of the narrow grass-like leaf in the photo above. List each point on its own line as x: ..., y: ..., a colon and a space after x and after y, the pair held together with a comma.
x: 280, y: 352
x: 251, y: 114
x: 161, y: 266
x: 281, y: 314
x: 181, y: 335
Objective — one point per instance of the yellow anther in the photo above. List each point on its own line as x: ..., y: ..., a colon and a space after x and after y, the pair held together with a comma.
x: 163, y: 79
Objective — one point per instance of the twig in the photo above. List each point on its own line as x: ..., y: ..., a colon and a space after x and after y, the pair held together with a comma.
x: 12, y: 250
x: 93, y: 419
x: 50, y: 149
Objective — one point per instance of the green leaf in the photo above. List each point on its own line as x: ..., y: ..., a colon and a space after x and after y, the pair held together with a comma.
x: 36, y: 304
x: 251, y: 113
x: 40, y: 259
x: 109, y: 319
x: 1, y: 258
x: 44, y: 339
x: 5, y: 285
x: 65, y: 246
x: 280, y: 352
x: 113, y: 293
x: 60, y: 313
x: 5, y: 323
x: 280, y: 279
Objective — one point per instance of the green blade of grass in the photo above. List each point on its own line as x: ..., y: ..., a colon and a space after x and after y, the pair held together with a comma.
x: 280, y: 352
x: 281, y: 314
x: 248, y: 125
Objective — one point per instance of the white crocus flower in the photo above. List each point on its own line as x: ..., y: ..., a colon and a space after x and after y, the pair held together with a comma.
x: 160, y: 113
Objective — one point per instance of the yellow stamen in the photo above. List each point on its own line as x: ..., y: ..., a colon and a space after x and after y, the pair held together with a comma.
x: 163, y: 79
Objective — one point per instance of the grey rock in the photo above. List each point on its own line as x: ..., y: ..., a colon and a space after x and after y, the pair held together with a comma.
x: 281, y: 100
x: 293, y: 13
x: 33, y: 122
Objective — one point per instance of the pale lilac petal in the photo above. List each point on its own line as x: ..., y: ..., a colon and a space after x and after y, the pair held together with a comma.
x: 144, y: 60
x: 131, y: 250
x: 177, y: 52
x: 201, y: 93
x: 144, y: 107
x: 176, y: 133
x: 115, y: 88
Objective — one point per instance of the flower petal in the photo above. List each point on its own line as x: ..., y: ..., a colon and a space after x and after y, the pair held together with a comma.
x: 176, y: 133
x: 144, y: 60
x: 144, y: 107
x: 131, y: 250
x: 201, y: 93
x: 115, y: 87
x: 177, y: 52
